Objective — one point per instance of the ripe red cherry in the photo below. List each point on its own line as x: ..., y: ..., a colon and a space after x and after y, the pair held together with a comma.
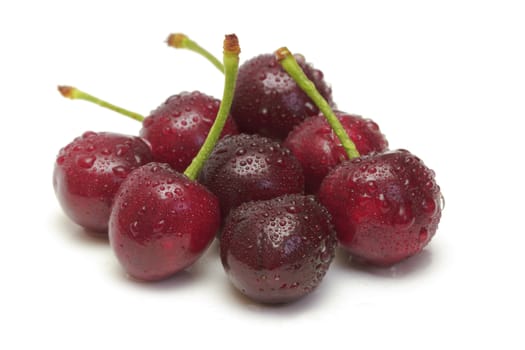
x: 385, y: 207
x: 244, y: 167
x: 318, y: 149
x: 161, y: 222
x: 89, y: 171
x: 267, y: 100
x: 278, y: 250
x: 177, y: 129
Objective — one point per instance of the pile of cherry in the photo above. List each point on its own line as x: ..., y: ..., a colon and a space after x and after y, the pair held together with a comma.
x: 270, y: 171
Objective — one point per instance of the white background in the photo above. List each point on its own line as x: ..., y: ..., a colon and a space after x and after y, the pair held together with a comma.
x: 444, y: 79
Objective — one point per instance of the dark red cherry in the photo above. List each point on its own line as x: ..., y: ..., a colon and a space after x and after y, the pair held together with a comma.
x: 278, y: 250
x: 267, y: 100
x: 161, y: 222
x: 177, y: 129
x: 244, y: 167
x: 318, y: 149
x: 385, y: 207
x: 89, y: 171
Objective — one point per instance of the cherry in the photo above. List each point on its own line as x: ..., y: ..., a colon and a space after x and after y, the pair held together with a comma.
x: 318, y: 149
x: 176, y: 129
x: 385, y: 206
x: 244, y: 167
x: 89, y: 171
x: 268, y: 102
x: 162, y: 221
x: 277, y: 250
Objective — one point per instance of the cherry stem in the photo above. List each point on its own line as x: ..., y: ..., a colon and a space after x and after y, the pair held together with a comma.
x: 231, y: 66
x: 76, y: 94
x: 181, y: 41
x: 290, y: 65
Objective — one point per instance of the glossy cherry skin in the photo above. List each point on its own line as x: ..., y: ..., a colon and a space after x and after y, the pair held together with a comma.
x: 89, y: 171
x: 245, y: 167
x: 161, y: 222
x: 278, y: 250
x: 177, y: 129
x: 318, y: 149
x: 385, y: 207
x: 267, y: 100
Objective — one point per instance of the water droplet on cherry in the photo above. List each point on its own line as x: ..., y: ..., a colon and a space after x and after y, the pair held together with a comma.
x: 86, y: 162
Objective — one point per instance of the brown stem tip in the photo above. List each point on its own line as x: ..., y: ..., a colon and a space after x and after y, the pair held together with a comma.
x: 66, y: 91
x: 177, y: 40
x: 282, y: 53
x: 231, y: 44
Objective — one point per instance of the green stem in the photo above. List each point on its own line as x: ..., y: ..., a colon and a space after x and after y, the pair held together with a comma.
x: 231, y: 65
x: 76, y: 94
x: 181, y: 41
x: 290, y: 65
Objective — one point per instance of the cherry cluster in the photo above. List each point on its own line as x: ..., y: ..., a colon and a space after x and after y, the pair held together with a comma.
x: 271, y: 170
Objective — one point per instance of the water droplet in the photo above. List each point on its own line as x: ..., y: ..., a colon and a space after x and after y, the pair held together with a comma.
x: 423, y: 236
x: 159, y: 226
x: 404, y: 218
x: 166, y: 130
x: 120, y: 171
x: 134, y: 228
x: 429, y: 206
x: 155, y: 168
x: 86, y: 162
x: 441, y: 201
x: 61, y: 160
x: 240, y: 152
x: 310, y: 107
x: 89, y: 134
x: 292, y: 209
x: 121, y: 149
x: 326, y: 257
